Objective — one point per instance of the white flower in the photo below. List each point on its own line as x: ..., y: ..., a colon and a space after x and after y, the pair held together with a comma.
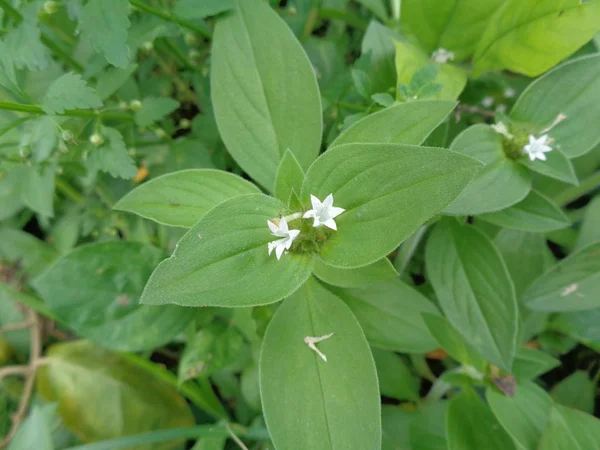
x: 323, y: 213
x: 442, y: 56
x: 537, y: 147
x: 287, y: 237
x: 501, y: 128
x: 510, y: 92
x: 487, y: 101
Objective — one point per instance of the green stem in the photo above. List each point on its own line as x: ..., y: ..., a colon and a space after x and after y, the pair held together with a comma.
x: 573, y: 193
x: 44, y: 38
x: 34, y: 109
x: 171, y: 18
x: 69, y: 191
x: 337, y: 14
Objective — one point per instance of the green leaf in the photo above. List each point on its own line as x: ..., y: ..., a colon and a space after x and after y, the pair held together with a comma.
x: 395, y: 379
x: 25, y: 250
x: 452, y: 341
x: 211, y: 349
x: 525, y: 415
x: 390, y: 315
x: 289, y: 177
x: 410, y: 58
x: 182, y: 198
x: 8, y: 75
x: 378, y: 7
x: 395, y: 423
x: 580, y: 325
x: 69, y: 91
x: 381, y: 270
x: 37, y: 189
x: 336, y: 402
x: 104, y: 25
x: 556, y: 166
x: 535, y: 213
x: 470, y: 424
x: 530, y: 37
x: 571, y: 429
x: 388, y: 192
x: 576, y: 391
x: 154, y: 109
x: 193, y: 9
x: 43, y: 138
x: 474, y: 289
x: 404, y: 123
x: 455, y: 25
x: 530, y: 363
x: 501, y: 183
x: 378, y: 52
x: 571, y: 285
x: 126, y: 399
x: 574, y: 90
x: 96, y: 288
x: 36, y: 431
x: 111, y: 79
x: 223, y: 260
x: 112, y: 156
x: 23, y: 42
x: 264, y: 90
x: 590, y: 229
x: 10, y: 198
x: 428, y: 428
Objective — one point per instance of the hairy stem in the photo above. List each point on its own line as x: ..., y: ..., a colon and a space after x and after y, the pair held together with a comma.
x: 34, y: 109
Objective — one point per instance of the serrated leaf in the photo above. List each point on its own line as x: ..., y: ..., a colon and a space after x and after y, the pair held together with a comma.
x: 95, y: 291
x: 37, y: 189
x: 535, y: 213
x: 182, y: 198
x: 574, y: 88
x: 571, y: 285
x: 474, y: 289
x: 104, y: 25
x: 530, y: 37
x: 404, y: 123
x: 112, y: 156
x: 154, y: 109
x: 225, y: 253
x: 24, y: 44
x: 388, y: 192
x: 69, y: 91
x: 264, y: 90
x: 336, y: 403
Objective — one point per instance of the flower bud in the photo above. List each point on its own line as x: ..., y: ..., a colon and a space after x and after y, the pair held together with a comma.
x: 135, y: 105
x: 96, y: 139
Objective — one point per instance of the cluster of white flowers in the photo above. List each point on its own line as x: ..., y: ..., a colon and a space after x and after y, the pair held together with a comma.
x: 322, y: 213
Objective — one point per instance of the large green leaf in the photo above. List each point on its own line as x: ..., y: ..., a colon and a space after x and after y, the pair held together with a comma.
x: 381, y: 270
x: 470, y: 425
x: 395, y: 378
x: 404, y: 123
x: 590, y: 229
x: 501, y: 183
x: 395, y: 422
x: 572, y: 89
x: 530, y: 363
x: 265, y: 94
x: 182, y: 198
x: 556, y: 166
x: 96, y: 288
x: 474, y: 289
x: 223, y: 260
x: 580, y: 325
x: 390, y: 314
x: 309, y: 403
x: 571, y: 429
x: 455, y: 25
x: 530, y: 37
x: 378, y: 52
x: 388, y: 192
x: 428, y: 428
x: 576, y: 391
x: 525, y: 415
x: 101, y: 395
x: 571, y: 285
x: 536, y: 213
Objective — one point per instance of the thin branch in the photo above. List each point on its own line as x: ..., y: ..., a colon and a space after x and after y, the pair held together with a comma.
x: 236, y: 439
x: 472, y: 109
x: 15, y: 326
x: 13, y: 370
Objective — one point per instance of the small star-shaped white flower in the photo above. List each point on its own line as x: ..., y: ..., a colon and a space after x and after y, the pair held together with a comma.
x: 537, y: 147
x: 442, y: 56
x: 323, y: 213
x: 287, y: 237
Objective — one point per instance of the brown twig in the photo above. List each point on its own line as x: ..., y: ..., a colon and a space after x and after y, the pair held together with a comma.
x: 236, y: 439
x: 29, y: 372
x: 472, y: 109
x: 15, y: 326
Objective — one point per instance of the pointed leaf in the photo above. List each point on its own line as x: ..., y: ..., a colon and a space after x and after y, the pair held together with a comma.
x: 223, y: 260
x: 335, y: 402
x: 289, y: 177
x: 264, y: 90
x: 381, y: 270
x: 182, y: 198
x: 69, y: 91
x: 388, y: 192
x: 571, y: 429
x: 474, y: 289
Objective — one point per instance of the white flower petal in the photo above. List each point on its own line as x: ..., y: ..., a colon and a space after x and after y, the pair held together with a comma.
x: 330, y: 223
x: 334, y: 211
x: 279, y: 251
x: 274, y: 228
x: 328, y: 202
x: 316, y: 203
